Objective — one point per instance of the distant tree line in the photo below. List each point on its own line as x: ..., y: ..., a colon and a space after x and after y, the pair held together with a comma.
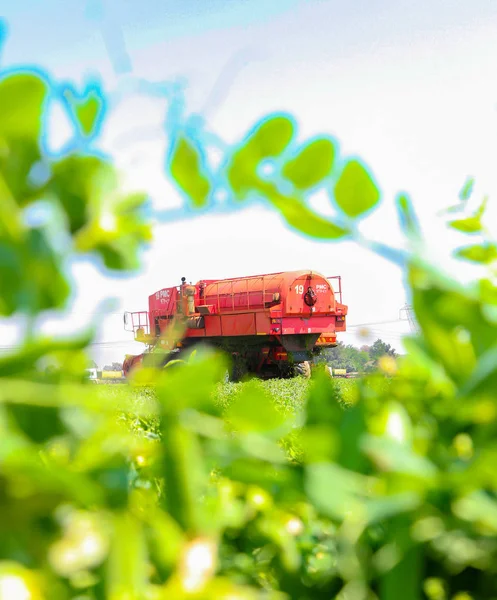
x: 342, y: 356
x: 115, y: 366
x: 353, y: 359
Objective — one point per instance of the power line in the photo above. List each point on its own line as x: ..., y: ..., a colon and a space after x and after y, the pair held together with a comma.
x: 108, y: 344
x: 376, y: 323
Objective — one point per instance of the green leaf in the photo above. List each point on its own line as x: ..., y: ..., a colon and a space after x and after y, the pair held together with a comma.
x: 301, y: 218
x: 311, y: 165
x: 45, y: 288
x: 467, y: 189
x: 407, y: 216
x: 335, y: 491
x: 39, y: 423
x: 185, y: 476
x: 323, y: 402
x: 355, y: 191
x: 479, y: 253
x: 87, y: 111
x: 403, y: 578
x: 487, y: 291
x: 386, y: 507
x: 482, y: 207
x: 484, y: 375
x: 165, y: 536
x: 468, y: 225
x: 352, y: 428
x: 479, y: 508
x: 253, y: 410
x: 199, y: 377
x: 80, y: 184
x: 127, y: 569
x: 188, y: 172
x: 22, y: 99
x: 393, y: 457
x: 270, y: 137
x: 279, y: 536
x: 471, y: 224
x: 101, y: 219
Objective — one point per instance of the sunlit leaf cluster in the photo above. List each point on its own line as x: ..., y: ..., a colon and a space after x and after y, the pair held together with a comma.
x: 269, y: 164
x: 177, y: 485
x: 53, y: 205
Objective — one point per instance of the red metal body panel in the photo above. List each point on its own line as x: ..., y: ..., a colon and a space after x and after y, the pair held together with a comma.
x: 213, y: 326
x: 163, y: 302
x: 294, y: 325
x: 242, y: 324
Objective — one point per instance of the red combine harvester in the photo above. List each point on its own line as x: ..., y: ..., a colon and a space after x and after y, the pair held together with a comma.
x: 271, y: 325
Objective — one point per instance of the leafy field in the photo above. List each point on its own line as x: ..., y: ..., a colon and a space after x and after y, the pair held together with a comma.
x: 286, y: 394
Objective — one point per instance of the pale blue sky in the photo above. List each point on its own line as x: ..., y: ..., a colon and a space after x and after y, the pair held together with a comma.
x: 409, y: 86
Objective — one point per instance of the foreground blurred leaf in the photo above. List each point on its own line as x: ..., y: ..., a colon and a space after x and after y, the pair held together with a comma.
x: 386, y: 507
x: 355, y: 192
x: 80, y: 184
x: 479, y: 508
x: 88, y: 112
x: 301, y: 218
x: 403, y: 580
x: 191, y: 385
x: 189, y: 173
x: 467, y: 189
x: 39, y: 423
x: 336, y: 491
x: 102, y: 219
x: 393, y: 457
x: 22, y: 98
x: 86, y: 109
x: 253, y: 410
x: 311, y: 164
x: 24, y: 360
x: 479, y: 253
x: 185, y: 477
x: 268, y: 139
x: 127, y: 563
x: 166, y: 538
x: 468, y: 225
x: 471, y: 224
x: 450, y: 320
x: 407, y: 217
x: 483, y: 375
x: 45, y: 288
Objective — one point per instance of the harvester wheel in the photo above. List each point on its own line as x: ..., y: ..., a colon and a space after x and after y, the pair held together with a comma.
x: 303, y: 369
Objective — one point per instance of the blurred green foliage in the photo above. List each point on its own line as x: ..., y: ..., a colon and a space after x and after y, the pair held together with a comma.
x: 184, y: 490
